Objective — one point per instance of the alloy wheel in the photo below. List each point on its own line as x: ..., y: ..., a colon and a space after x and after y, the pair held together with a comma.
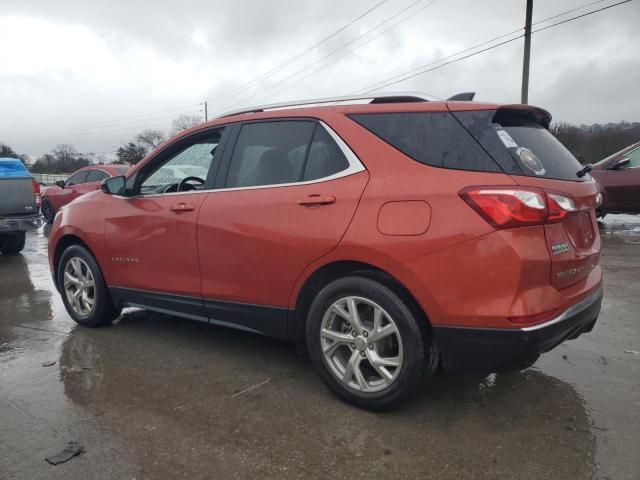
x: 79, y: 286
x: 361, y: 344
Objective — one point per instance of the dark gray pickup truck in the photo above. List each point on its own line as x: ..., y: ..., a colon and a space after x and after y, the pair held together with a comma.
x: 19, y: 205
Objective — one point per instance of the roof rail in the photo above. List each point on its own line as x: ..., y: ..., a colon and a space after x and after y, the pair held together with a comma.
x: 395, y: 97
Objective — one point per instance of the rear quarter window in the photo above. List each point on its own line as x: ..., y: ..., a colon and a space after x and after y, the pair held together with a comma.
x: 432, y: 138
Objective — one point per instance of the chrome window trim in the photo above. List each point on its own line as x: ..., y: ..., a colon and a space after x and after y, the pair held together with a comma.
x: 355, y: 166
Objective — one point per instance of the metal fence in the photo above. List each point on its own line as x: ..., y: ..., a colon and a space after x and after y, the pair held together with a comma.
x: 49, y: 178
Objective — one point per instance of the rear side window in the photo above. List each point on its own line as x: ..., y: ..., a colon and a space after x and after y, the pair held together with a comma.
x: 77, y: 178
x: 96, y: 176
x: 325, y: 157
x: 521, y: 145
x: 278, y: 152
x: 432, y: 138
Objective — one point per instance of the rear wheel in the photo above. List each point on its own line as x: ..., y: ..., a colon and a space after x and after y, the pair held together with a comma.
x: 47, y: 210
x: 366, y: 344
x: 84, y: 292
x: 12, y: 243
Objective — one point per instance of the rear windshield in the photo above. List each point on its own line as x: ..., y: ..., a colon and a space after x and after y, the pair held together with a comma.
x: 520, y: 141
x: 10, y: 167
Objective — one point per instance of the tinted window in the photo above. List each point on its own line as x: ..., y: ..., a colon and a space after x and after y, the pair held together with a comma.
x: 96, y: 176
x: 77, y: 178
x: 325, y: 157
x: 270, y: 153
x: 513, y: 138
x: 432, y: 138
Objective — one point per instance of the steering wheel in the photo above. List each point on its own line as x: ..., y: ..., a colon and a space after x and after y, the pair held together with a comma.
x: 182, y: 183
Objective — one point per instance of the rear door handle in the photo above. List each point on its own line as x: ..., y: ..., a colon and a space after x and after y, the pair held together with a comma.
x: 312, y: 200
x: 182, y: 207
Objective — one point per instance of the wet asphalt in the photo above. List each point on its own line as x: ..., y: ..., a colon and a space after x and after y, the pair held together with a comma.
x: 154, y: 396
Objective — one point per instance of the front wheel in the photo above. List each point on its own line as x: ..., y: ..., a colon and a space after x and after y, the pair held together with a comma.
x: 12, y: 243
x: 366, y: 343
x: 83, y: 290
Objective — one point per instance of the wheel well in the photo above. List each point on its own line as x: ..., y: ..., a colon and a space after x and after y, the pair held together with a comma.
x: 64, y: 243
x: 333, y: 271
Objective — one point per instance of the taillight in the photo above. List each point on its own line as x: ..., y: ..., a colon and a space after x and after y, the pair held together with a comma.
x: 36, y: 192
x: 509, y: 207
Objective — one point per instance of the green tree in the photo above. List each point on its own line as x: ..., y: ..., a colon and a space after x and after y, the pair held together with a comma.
x: 130, y: 153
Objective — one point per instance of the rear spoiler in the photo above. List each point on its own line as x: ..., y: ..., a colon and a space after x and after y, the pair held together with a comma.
x: 537, y: 114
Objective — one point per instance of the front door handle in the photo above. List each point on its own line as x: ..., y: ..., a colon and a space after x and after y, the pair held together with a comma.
x: 312, y: 200
x: 182, y: 207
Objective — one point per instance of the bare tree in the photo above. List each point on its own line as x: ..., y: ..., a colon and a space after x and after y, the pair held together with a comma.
x: 150, y: 138
x: 183, y: 122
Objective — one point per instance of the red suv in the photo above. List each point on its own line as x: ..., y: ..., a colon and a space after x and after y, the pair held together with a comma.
x: 393, y: 235
x: 80, y: 182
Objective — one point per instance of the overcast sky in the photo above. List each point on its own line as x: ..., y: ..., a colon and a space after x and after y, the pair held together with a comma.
x: 93, y: 74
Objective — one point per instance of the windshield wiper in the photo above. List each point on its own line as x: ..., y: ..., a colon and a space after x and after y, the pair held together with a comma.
x: 586, y: 169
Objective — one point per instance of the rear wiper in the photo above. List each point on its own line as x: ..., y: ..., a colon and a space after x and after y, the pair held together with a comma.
x: 586, y: 169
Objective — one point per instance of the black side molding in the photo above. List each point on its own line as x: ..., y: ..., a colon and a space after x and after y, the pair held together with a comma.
x: 262, y: 319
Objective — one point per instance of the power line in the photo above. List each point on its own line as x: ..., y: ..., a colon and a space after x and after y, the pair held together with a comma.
x: 365, y: 89
x: 276, y: 69
x: 333, y: 52
x: 407, y: 75
x: 322, y: 67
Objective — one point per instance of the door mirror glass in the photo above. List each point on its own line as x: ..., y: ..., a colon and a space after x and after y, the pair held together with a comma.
x: 60, y: 183
x: 622, y: 163
x: 113, y: 185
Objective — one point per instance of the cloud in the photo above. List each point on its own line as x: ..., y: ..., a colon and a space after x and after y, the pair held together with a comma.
x: 75, y: 67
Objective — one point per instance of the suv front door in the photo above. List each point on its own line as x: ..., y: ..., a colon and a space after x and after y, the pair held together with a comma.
x: 150, y: 235
x: 289, y: 189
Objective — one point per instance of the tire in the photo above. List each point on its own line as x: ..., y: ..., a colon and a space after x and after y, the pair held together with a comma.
x: 408, y: 345
x: 601, y: 213
x: 93, y: 306
x: 47, y: 210
x: 12, y: 243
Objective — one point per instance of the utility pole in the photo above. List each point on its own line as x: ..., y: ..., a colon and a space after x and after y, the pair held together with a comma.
x: 206, y: 117
x: 527, y: 53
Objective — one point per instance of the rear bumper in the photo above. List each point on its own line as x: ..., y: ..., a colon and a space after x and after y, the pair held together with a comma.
x: 23, y: 223
x: 491, y: 349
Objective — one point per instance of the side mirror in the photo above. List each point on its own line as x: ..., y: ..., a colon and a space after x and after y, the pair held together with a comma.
x: 622, y: 163
x: 60, y: 183
x: 113, y: 185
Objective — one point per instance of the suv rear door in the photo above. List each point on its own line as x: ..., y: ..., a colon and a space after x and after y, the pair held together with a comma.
x: 288, y: 191
x: 519, y: 141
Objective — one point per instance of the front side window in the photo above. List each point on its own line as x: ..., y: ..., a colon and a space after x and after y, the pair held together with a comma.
x: 282, y: 152
x: 186, y: 169
x: 78, y: 178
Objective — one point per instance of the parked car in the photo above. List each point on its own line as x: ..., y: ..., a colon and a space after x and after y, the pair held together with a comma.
x: 19, y: 205
x: 618, y: 177
x: 392, y: 235
x: 82, y: 181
